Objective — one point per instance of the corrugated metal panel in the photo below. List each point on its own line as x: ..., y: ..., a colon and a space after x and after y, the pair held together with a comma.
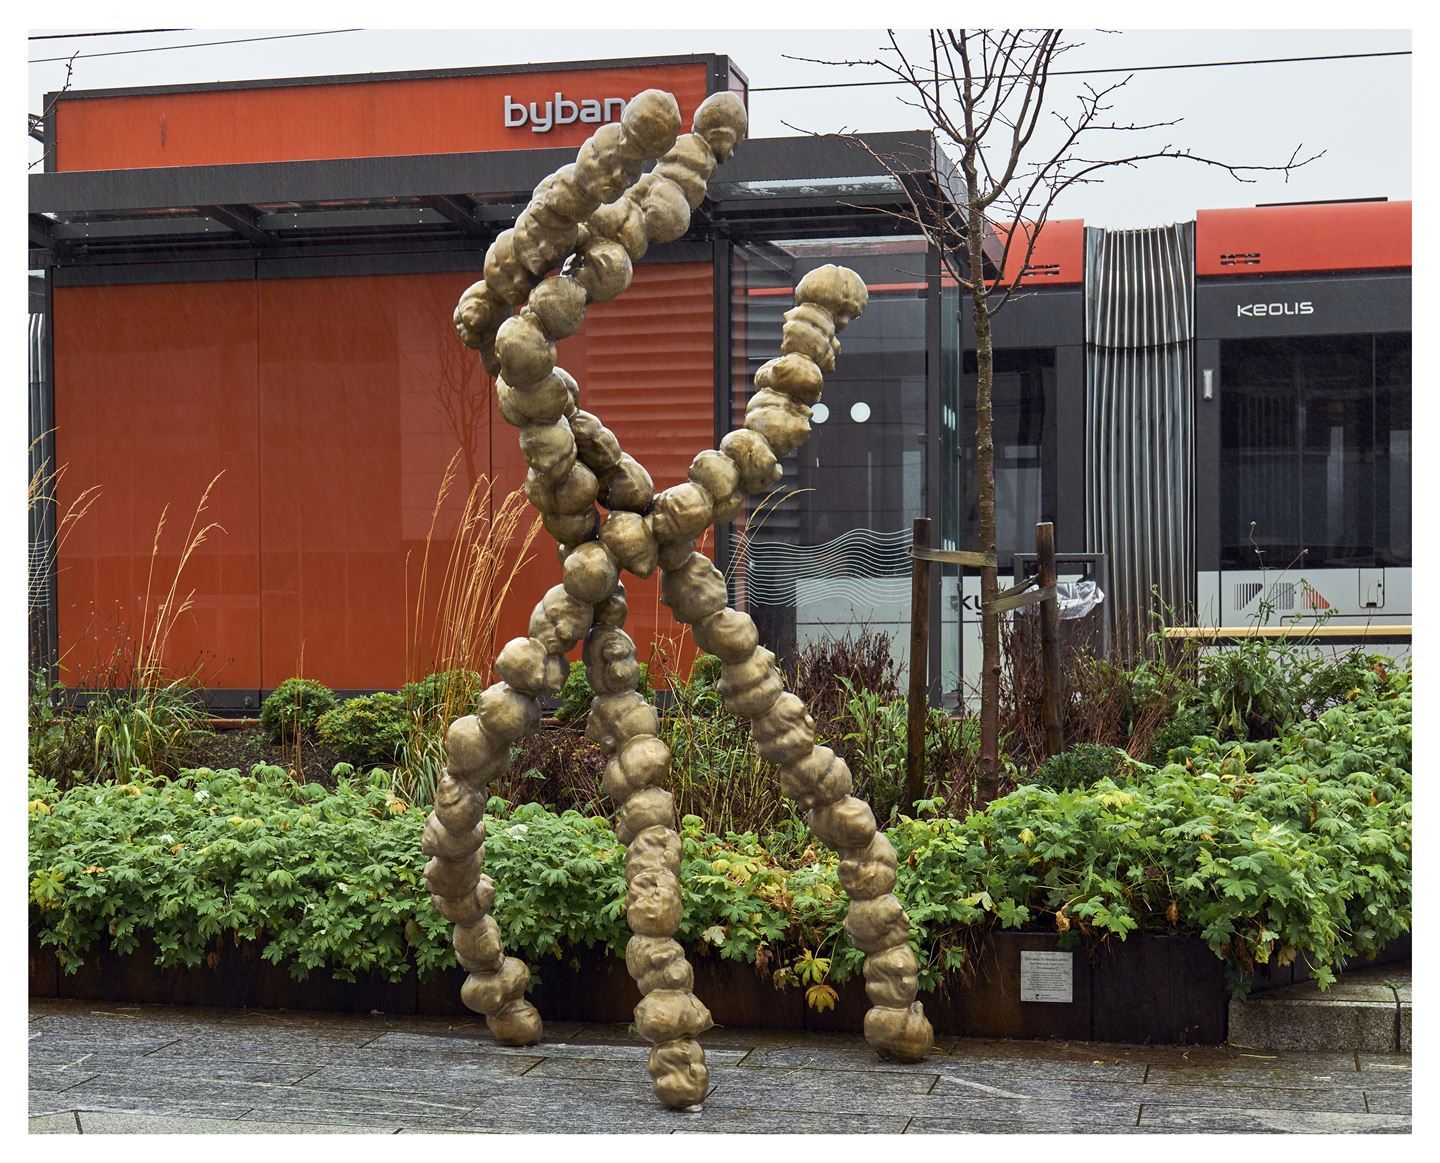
x: 1140, y: 487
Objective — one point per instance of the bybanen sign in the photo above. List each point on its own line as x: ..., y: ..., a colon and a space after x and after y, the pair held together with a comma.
x: 542, y: 116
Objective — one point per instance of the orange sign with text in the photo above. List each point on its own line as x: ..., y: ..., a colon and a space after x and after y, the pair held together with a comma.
x: 303, y: 121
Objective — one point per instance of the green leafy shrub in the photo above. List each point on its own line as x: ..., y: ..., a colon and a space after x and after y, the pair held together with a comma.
x: 431, y: 705
x: 576, y: 695
x: 1179, y: 730
x: 870, y: 732
x: 1254, y: 689
x: 291, y: 709
x: 366, y: 730
x: 116, y: 733
x: 146, y: 730
x: 1269, y: 851
x: 446, y: 695
x: 701, y: 692
x: 62, y: 740
x: 1080, y: 766
x: 1328, y: 682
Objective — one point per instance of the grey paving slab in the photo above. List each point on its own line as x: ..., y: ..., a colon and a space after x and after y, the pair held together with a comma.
x: 1003, y: 1071
x: 1058, y: 1123
x: 552, y: 1111
x: 123, y: 1123
x: 63, y: 1123
x: 788, y: 1089
x: 1403, y: 1034
x: 1203, y: 1120
x: 1383, y: 983
x: 57, y: 1077
x: 1069, y: 1092
x: 258, y: 1045
x: 720, y: 1036
x: 44, y: 1102
x: 1389, y: 1102
x: 1035, y: 1116
x: 91, y: 1016
x: 624, y: 1067
x: 746, y: 1121
x: 139, y: 1090
x: 383, y: 1058
x: 378, y: 1073
x: 1389, y: 1064
x: 451, y: 1078
x: 80, y: 1007
x: 850, y: 1055
x: 58, y: 1047
x: 1027, y: 1050
x: 180, y: 1071
x: 574, y: 1048
x: 288, y: 1117
x: 819, y: 1091
x: 1277, y: 1072
x: 162, y: 1104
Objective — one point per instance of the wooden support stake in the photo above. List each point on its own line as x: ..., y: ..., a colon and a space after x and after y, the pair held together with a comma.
x: 919, y: 698
x: 1049, y: 636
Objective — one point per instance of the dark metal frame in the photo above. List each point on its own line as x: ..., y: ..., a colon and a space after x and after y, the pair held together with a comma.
x: 110, y: 214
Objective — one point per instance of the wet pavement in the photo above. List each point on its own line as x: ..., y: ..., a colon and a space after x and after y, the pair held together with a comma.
x: 97, y: 1068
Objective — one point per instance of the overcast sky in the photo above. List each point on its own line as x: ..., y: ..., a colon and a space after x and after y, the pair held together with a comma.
x: 1358, y: 111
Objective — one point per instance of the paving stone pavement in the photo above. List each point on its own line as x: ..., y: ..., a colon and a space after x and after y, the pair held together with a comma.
x: 98, y: 1069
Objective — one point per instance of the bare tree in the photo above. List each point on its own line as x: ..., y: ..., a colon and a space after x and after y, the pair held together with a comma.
x: 35, y: 122
x: 991, y: 97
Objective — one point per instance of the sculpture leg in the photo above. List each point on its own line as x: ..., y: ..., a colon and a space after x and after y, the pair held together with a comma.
x: 669, y: 1016
x: 819, y: 782
x: 478, y: 747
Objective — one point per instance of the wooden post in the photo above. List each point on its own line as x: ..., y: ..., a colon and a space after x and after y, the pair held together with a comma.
x: 919, y: 698
x: 1049, y: 636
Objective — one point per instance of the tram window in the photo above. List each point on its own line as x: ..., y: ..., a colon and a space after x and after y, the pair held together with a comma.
x: 1022, y: 407
x: 1392, y: 450
x: 1315, y: 452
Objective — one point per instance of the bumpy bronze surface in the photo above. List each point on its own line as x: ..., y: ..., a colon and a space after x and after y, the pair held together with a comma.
x: 604, y: 214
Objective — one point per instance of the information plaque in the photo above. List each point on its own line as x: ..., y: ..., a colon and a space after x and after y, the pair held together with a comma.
x: 1047, y: 977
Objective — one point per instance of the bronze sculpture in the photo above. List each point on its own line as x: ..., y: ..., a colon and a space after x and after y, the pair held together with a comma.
x: 604, y: 212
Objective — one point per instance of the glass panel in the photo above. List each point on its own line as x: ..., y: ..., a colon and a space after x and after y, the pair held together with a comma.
x: 1298, y: 452
x: 1023, y: 428
x: 829, y: 550
x: 1259, y: 461
x: 1338, y: 415
x: 1392, y: 450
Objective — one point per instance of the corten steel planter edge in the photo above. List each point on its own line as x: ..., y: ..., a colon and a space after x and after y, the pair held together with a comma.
x: 1151, y: 988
